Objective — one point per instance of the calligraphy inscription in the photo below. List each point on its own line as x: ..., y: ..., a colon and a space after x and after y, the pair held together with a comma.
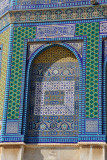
x: 55, y: 31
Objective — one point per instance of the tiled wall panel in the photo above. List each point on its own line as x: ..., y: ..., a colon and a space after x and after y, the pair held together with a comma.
x: 4, y: 42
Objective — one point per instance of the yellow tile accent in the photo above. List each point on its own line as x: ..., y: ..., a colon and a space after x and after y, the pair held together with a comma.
x: 56, y: 54
x: 4, y: 40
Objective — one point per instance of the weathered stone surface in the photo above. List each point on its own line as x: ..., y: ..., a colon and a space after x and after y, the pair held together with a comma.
x: 11, y: 153
x: 53, y: 152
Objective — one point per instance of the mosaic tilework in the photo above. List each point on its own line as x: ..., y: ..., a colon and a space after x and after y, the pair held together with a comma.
x: 25, y: 2
x: 20, y: 33
x: 54, y: 15
x: 55, y: 97
x: 92, y: 46
x: 61, y: 57
x: 4, y: 40
x: 104, y: 118
x: 103, y: 28
x: 55, y: 31
x: 4, y: 5
x: 77, y: 45
x: 105, y: 48
x: 59, y: 14
x: 54, y: 94
x: 12, y: 127
x: 4, y: 21
x: 33, y: 47
x: 91, y: 126
x: 92, y: 32
x: 0, y: 126
x: 1, y: 46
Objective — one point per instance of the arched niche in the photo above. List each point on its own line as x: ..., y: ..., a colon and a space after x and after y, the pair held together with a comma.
x: 104, y: 86
x: 53, y: 96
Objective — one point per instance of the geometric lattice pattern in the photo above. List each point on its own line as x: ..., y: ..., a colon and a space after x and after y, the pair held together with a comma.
x: 103, y: 28
x: 91, y: 125
x: 12, y: 127
x: 54, y: 94
x: 20, y: 33
x: 92, y: 32
x: 55, y: 98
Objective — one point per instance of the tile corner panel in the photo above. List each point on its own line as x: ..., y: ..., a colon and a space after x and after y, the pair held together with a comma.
x: 12, y: 127
x: 103, y: 28
x: 91, y: 125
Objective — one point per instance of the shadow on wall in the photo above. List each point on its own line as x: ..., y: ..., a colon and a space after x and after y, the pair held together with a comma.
x: 33, y: 154
x: 48, y: 153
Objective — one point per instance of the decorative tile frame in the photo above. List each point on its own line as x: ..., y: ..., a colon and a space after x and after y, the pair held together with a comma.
x: 104, y: 63
x: 104, y: 75
x: 38, y: 51
x: 83, y: 135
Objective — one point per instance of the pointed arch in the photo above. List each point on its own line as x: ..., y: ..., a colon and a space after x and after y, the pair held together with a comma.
x: 33, y: 57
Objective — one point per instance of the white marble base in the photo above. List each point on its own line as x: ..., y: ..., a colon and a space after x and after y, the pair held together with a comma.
x: 80, y: 151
